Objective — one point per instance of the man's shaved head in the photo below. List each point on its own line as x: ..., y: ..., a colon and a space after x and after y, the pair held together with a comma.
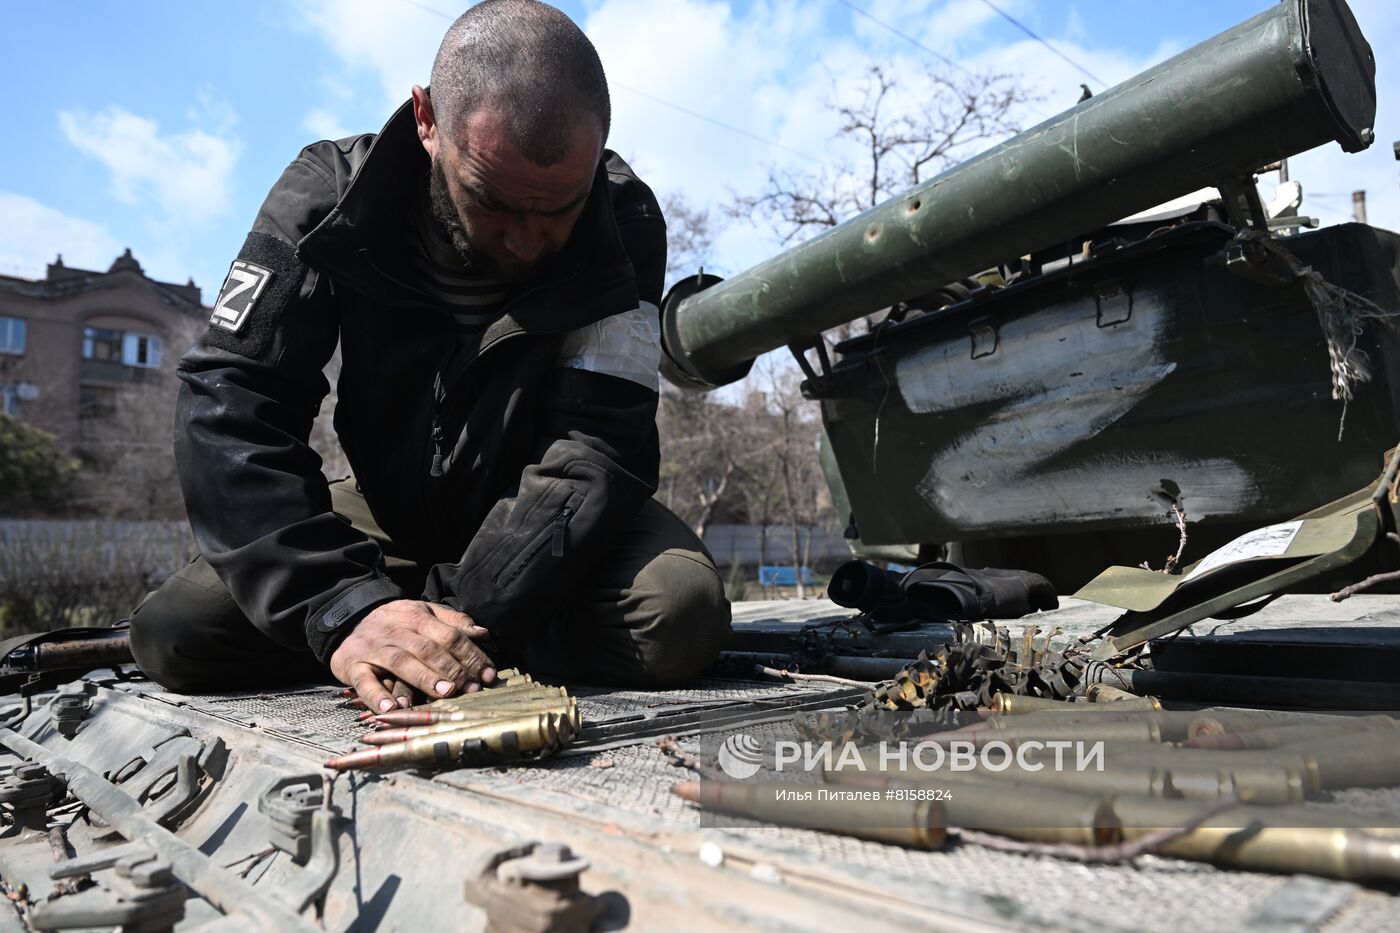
x: 531, y: 62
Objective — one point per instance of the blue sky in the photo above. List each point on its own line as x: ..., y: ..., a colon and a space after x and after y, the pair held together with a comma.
x: 159, y: 125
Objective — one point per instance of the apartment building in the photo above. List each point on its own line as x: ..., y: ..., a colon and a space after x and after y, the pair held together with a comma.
x: 73, y: 342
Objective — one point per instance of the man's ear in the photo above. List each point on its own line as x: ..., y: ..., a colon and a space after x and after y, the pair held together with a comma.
x: 427, y: 123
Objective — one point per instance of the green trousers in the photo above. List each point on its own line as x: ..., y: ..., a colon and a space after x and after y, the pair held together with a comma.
x: 652, y: 614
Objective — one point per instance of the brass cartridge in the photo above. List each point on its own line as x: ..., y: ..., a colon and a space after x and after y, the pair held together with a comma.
x: 1284, y: 839
x: 528, y: 733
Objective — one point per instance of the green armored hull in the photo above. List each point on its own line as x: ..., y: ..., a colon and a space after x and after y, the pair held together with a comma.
x: 1095, y: 397
x: 1095, y: 376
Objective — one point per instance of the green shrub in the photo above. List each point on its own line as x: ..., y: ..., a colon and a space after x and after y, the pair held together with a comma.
x: 35, y: 479
x: 55, y: 574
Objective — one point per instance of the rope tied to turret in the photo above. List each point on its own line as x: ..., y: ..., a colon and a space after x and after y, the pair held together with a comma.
x: 1341, y: 313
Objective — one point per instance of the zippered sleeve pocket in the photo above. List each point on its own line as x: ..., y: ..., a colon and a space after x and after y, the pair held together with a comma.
x: 551, y: 538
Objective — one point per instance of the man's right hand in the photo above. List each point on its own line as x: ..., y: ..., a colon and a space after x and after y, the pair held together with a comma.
x: 420, y: 644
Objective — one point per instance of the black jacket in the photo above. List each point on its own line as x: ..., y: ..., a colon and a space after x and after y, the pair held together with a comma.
x: 509, y: 473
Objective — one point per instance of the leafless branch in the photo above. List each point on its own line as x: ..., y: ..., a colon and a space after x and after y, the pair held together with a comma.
x: 796, y: 677
x: 690, y: 237
x: 1370, y: 582
x: 680, y: 758
x: 1174, y: 561
x: 900, y: 138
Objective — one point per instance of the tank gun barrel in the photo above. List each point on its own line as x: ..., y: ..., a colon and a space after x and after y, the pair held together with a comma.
x: 1291, y: 78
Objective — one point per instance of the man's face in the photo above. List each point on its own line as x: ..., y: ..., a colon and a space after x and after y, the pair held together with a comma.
x: 504, y: 214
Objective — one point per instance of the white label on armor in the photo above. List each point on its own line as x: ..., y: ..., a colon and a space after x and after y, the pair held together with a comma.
x: 239, y: 293
x: 1272, y: 541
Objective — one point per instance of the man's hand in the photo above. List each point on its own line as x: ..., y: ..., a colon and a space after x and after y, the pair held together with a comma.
x: 418, y: 644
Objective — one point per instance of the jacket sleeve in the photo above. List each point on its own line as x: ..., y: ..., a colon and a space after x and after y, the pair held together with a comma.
x: 594, y: 464
x: 258, y: 504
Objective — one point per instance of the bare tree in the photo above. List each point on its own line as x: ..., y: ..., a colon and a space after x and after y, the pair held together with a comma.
x: 754, y: 462
x: 903, y: 130
x: 127, y: 453
x: 703, y: 441
x: 700, y: 437
x: 690, y: 237
x: 804, y: 497
x: 760, y: 486
x: 334, y: 464
x: 902, y: 143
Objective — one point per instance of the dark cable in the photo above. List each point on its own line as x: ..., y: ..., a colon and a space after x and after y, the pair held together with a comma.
x: 903, y: 35
x: 915, y: 42
x: 1028, y: 31
x: 720, y: 124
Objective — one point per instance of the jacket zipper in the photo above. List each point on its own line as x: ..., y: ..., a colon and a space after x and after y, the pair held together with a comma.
x: 455, y: 373
x: 436, y: 433
x: 561, y: 529
x: 552, y: 536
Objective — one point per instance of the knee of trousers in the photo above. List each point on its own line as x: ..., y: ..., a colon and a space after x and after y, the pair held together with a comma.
x: 687, y: 618
x: 163, y: 630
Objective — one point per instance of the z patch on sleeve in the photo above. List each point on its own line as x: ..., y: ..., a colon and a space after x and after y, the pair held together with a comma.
x: 241, y: 290
x: 262, y: 281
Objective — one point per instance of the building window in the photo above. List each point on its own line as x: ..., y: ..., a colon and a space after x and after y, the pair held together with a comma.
x: 9, y: 398
x: 96, y: 401
x: 11, y: 335
x: 99, y: 343
x: 141, y: 350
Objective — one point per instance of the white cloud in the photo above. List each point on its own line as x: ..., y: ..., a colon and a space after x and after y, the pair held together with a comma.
x: 394, y: 42
x: 958, y: 20
x: 34, y: 233
x: 324, y: 125
x: 186, y: 176
x: 699, y: 55
x: 770, y: 67
x: 942, y: 25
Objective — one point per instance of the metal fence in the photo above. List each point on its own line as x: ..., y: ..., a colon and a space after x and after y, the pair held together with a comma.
x: 88, y: 550
x: 741, y: 544
x: 103, y: 547
x: 55, y: 574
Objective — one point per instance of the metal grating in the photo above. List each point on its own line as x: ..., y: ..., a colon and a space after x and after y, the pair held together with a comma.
x: 1156, y: 893
x: 316, y: 715
x: 600, y: 704
x: 1366, y: 912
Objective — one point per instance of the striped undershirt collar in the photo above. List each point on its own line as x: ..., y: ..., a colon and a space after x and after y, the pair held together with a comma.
x: 474, y: 301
